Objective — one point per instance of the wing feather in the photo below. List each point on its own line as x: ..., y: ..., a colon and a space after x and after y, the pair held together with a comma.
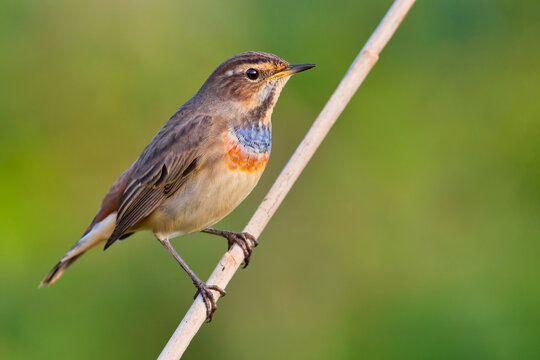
x: 163, y: 167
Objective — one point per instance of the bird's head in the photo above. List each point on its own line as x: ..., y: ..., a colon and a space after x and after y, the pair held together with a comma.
x: 251, y: 80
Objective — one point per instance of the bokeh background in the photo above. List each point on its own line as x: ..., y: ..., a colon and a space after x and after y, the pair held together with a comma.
x: 413, y: 233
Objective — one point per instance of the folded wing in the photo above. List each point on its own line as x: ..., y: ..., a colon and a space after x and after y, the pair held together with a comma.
x: 163, y: 167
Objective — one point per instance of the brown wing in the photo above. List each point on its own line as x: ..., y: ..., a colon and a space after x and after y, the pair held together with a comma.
x: 163, y: 167
x: 112, y: 200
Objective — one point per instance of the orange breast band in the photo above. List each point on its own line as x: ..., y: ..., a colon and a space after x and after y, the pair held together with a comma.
x: 241, y: 158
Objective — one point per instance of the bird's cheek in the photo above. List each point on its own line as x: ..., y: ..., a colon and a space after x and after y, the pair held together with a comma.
x: 266, y: 90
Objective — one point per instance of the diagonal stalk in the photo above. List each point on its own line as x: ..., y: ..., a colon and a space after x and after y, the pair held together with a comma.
x: 232, y: 259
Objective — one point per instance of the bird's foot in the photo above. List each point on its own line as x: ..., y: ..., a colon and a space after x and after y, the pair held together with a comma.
x: 208, y: 297
x: 245, y: 240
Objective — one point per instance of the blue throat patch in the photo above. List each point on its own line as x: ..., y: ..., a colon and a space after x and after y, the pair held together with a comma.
x: 255, y: 138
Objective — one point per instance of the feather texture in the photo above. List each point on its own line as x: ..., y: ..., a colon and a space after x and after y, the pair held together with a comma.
x: 162, y: 168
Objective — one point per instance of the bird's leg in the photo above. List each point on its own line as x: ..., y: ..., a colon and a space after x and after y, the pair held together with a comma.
x: 202, y: 288
x: 245, y: 240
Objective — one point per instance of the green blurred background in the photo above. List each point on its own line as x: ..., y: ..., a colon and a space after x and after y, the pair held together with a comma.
x: 413, y: 233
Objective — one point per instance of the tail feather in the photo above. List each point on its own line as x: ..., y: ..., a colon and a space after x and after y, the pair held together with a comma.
x: 58, y: 270
x: 99, y: 233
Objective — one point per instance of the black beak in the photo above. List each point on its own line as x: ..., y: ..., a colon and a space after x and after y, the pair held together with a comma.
x: 293, y: 69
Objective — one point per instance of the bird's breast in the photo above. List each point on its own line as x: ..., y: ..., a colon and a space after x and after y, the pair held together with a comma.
x: 248, y: 147
x: 219, y: 185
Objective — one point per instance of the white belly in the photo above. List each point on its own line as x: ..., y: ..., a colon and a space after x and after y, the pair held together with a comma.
x: 204, y: 200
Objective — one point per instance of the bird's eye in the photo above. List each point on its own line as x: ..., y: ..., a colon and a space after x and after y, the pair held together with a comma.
x: 252, y: 74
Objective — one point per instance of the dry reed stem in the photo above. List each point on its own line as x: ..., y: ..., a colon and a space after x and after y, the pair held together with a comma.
x: 232, y: 259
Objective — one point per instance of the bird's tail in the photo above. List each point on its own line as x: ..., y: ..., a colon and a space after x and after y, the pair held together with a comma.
x: 99, y: 233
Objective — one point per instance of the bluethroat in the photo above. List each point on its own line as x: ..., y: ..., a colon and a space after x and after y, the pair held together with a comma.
x: 199, y: 166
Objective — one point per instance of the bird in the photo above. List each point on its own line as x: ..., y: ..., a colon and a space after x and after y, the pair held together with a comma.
x: 199, y: 166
